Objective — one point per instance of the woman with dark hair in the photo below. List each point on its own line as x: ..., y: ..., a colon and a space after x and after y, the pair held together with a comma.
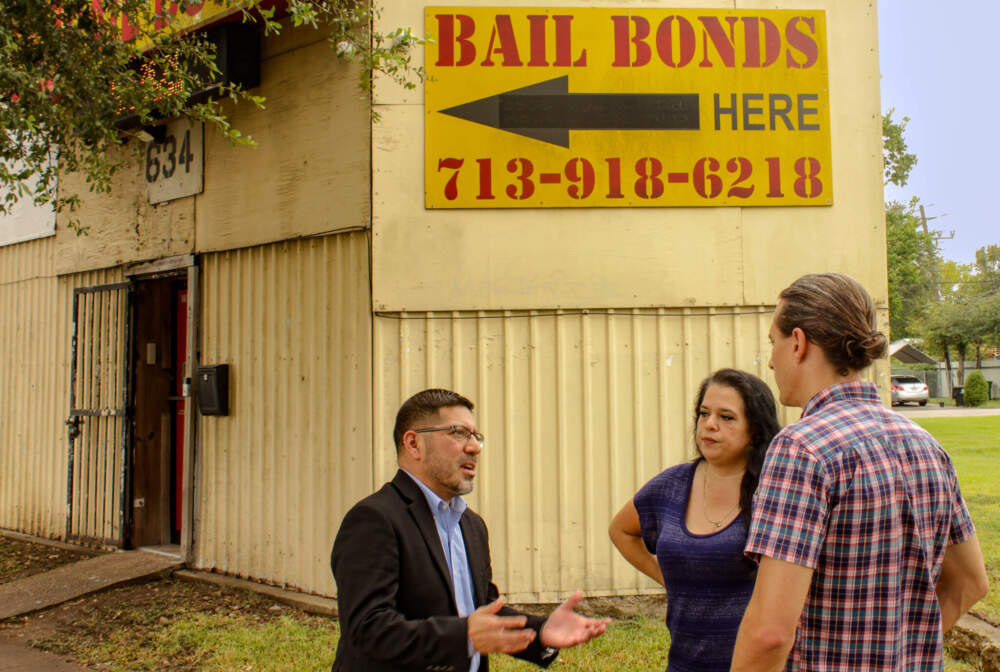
x: 686, y: 528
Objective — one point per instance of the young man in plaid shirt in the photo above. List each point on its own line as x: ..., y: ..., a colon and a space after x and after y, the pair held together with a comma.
x: 867, y: 552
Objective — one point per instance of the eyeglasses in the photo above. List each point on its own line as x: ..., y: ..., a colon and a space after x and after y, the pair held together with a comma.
x: 457, y: 432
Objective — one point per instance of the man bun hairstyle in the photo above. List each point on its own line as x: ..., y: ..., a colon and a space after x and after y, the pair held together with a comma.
x: 421, y: 406
x: 838, y: 315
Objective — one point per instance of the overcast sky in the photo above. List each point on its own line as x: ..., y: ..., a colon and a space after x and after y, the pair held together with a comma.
x: 939, y: 69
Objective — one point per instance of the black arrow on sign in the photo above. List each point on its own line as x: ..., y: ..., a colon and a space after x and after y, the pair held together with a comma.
x: 547, y: 111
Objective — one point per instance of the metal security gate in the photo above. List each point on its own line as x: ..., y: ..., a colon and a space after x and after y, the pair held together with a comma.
x: 96, y: 484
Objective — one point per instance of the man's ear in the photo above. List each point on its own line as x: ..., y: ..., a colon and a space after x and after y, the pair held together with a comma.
x: 411, y: 445
x: 800, y: 344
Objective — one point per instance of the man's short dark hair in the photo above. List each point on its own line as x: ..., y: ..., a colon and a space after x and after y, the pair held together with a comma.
x: 421, y: 406
x: 836, y: 313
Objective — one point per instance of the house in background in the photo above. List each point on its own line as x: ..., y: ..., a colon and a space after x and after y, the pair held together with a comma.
x: 937, y: 379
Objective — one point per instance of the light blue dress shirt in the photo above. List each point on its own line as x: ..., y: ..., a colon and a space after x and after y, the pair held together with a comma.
x: 446, y: 517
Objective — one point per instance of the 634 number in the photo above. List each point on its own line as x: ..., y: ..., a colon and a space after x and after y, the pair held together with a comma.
x: 163, y: 158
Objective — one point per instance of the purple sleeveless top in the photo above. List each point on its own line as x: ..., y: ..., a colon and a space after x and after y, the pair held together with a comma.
x: 709, y: 580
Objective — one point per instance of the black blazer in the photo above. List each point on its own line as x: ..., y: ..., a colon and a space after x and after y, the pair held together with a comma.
x: 395, y: 599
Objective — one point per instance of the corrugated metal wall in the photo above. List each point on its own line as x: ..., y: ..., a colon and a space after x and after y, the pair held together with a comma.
x: 276, y: 476
x: 32, y: 466
x: 579, y: 410
x: 35, y: 325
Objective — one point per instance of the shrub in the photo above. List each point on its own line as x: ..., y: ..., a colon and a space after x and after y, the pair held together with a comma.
x: 976, y: 389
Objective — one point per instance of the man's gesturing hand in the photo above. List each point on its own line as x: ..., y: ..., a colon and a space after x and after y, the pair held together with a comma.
x: 564, y: 627
x: 490, y: 633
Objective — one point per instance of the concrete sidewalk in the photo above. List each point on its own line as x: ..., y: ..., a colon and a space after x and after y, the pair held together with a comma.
x: 946, y: 412
x: 80, y: 578
x: 62, y: 584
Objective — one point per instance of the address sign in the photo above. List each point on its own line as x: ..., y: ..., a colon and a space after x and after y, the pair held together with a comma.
x: 175, y: 167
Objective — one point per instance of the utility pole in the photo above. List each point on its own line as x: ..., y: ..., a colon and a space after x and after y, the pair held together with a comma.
x: 932, y: 241
x: 937, y: 235
x: 923, y: 219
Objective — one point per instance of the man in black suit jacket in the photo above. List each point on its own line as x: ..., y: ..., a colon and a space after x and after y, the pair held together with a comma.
x: 405, y: 602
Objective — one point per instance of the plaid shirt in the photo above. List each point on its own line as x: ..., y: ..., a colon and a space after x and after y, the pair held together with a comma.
x: 869, y: 500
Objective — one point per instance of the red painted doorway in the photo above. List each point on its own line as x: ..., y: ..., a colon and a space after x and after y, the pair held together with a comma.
x: 179, y: 410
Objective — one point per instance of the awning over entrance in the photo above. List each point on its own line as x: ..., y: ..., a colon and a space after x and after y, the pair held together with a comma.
x: 905, y: 352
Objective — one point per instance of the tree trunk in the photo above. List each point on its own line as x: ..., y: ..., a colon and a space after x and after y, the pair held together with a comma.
x: 961, y: 348
x: 947, y: 361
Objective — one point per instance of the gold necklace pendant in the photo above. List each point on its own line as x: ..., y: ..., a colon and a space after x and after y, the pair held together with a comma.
x: 704, y: 503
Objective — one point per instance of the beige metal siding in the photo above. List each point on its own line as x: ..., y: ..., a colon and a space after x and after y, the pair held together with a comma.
x: 309, y: 173
x: 35, y: 326
x: 32, y: 459
x: 611, y: 258
x: 579, y: 410
x: 276, y: 476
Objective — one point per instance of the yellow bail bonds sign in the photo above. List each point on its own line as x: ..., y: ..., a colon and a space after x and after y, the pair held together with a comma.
x: 602, y: 107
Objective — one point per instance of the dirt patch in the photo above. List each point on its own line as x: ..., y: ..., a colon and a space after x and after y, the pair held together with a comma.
x: 142, y: 610
x: 21, y: 559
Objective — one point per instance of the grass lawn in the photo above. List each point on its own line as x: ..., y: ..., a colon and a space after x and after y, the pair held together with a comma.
x: 177, y: 626
x: 974, y: 446
x: 213, y: 642
x: 638, y: 645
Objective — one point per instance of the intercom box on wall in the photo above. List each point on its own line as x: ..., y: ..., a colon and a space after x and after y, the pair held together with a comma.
x: 213, y: 389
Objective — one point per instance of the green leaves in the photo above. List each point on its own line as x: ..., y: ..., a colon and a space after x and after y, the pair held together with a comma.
x: 897, y: 161
x: 913, y: 261
x: 988, y: 267
x: 67, y: 77
x: 976, y: 389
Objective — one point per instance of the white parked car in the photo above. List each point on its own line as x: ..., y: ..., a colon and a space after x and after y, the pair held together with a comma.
x: 909, y: 388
